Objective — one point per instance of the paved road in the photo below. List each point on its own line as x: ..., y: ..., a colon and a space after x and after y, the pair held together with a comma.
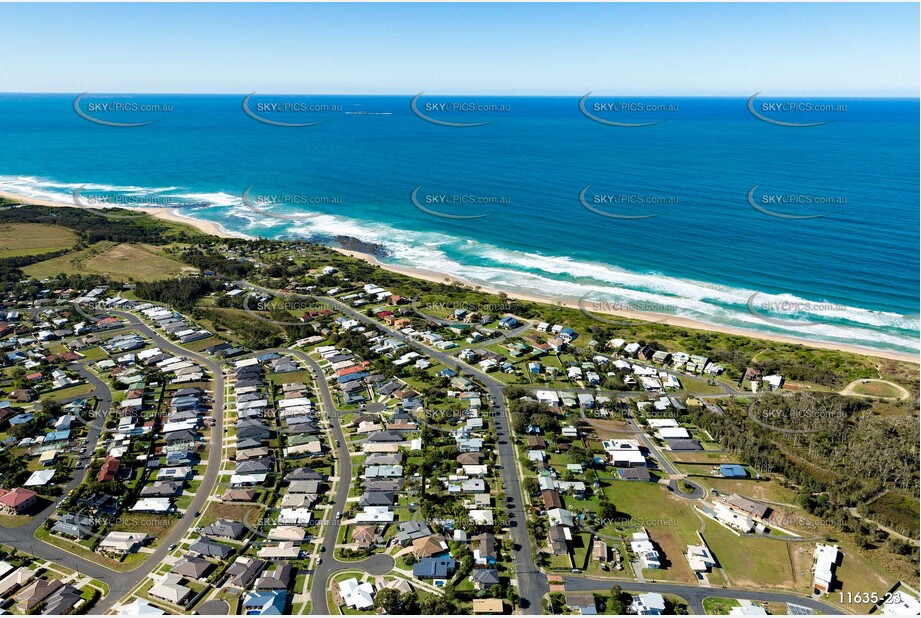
x: 22, y: 537
x: 532, y: 583
x: 120, y: 583
x: 379, y: 564
x: 665, y: 465
x: 695, y: 595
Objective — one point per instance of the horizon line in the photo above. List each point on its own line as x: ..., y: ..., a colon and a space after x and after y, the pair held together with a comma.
x: 595, y: 94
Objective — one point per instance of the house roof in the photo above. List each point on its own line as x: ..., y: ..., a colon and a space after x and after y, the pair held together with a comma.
x: 191, y: 566
x: 224, y: 528
x: 244, y: 570
x: 207, y: 547
x: 429, y: 545
x: 486, y: 576
x: 17, y: 497
x: 277, y: 578
x: 434, y: 568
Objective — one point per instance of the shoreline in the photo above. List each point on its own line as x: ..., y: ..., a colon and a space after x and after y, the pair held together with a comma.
x: 215, y: 229
x: 662, y: 318
x: 163, y: 213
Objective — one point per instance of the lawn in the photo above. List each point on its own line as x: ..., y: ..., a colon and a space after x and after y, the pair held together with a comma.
x: 70, y: 391
x: 157, y: 526
x: 751, y: 562
x: 131, y: 561
x: 17, y: 239
x: 877, y: 389
x: 718, y: 606
x: 858, y: 574
x: 129, y: 261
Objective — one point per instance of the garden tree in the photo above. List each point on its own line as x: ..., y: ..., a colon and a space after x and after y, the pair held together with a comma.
x: 531, y: 485
x: 580, y: 455
x: 387, y: 601
x: 619, y: 601
x: 437, y: 605
x: 19, y: 377
x: 556, y: 602
x: 409, y: 603
x: 608, y: 512
x: 50, y: 407
x: 13, y: 471
x: 675, y: 607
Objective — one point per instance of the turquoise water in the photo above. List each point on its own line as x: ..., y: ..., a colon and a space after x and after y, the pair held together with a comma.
x: 850, y: 275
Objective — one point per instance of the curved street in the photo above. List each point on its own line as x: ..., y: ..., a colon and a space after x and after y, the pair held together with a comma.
x: 379, y: 564
x: 532, y: 582
x: 695, y: 595
x: 121, y: 583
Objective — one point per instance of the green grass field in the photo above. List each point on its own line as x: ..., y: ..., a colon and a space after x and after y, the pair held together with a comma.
x: 751, y: 562
x: 128, y: 261
x: 877, y: 389
x: 17, y: 239
x: 718, y: 606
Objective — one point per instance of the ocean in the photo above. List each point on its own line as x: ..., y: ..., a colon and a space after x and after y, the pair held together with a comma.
x: 711, y: 213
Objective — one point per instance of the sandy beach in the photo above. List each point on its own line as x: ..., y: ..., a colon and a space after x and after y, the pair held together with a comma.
x: 661, y: 318
x: 214, y: 229
x: 167, y: 214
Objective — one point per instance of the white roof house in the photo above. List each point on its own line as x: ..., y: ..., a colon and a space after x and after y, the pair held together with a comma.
x: 140, y: 607
x: 170, y: 589
x: 904, y: 605
x: 826, y: 559
x: 357, y: 595
x: 560, y: 517
x: 122, y: 541
x: 642, y: 546
x: 152, y: 505
x: 700, y: 558
x: 649, y: 604
x: 39, y: 478
x: 747, y: 609
x: 482, y: 517
x: 673, y: 433
x: 660, y: 423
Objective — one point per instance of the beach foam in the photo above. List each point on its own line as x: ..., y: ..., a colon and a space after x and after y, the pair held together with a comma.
x: 542, y: 274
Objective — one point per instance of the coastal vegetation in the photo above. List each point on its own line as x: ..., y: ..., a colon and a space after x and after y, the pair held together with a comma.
x: 851, y: 461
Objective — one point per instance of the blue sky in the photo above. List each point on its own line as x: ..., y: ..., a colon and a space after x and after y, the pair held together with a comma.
x: 570, y: 49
